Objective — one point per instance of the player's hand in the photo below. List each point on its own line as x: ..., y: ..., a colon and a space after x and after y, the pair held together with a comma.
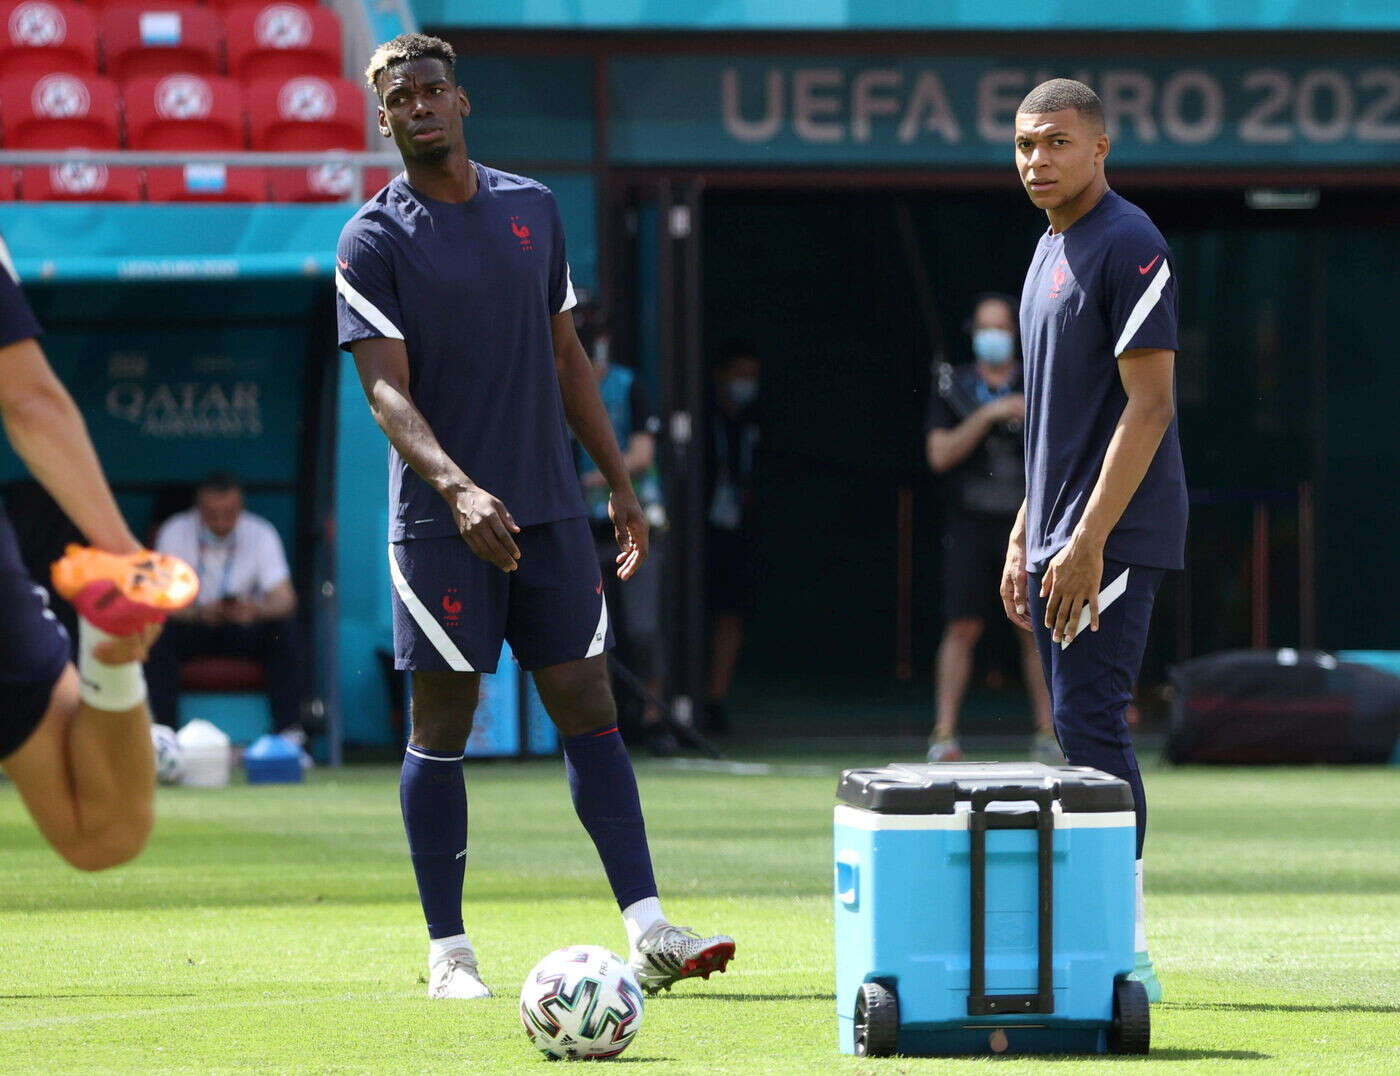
x: 1008, y: 408
x: 486, y: 525
x: 1015, y: 584
x: 631, y: 530
x: 121, y: 649
x: 1072, y: 580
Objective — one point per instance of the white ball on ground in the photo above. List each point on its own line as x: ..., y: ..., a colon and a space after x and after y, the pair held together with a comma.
x: 581, y: 1002
x: 170, y: 756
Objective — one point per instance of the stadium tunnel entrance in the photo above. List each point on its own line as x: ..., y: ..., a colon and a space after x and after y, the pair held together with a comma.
x: 851, y: 295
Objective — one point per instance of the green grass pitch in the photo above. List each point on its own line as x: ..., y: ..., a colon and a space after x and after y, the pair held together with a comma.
x: 276, y: 928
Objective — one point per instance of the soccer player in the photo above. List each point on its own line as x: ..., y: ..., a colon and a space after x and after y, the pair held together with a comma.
x: 454, y: 296
x: 1105, y: 507
x: 76, y: 742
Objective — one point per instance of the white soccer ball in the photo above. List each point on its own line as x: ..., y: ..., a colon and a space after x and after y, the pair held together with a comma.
x: 170, y: 756
x: 581, y: 1002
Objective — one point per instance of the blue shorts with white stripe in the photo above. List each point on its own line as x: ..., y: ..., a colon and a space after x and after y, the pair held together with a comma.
x: 452, y: 609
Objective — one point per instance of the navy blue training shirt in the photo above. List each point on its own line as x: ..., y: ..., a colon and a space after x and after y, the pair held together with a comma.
x: 17, y: 321
x: 470, y: 289
x: 1103, y: 286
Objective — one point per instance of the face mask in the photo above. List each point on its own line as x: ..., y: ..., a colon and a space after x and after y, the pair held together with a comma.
x: 992, y: 346
x: 741, y: 391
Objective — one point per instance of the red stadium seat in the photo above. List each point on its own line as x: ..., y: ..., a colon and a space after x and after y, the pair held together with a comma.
x: 80, y: 183
x: 205, y: 183
x: 324, y: 183
x: 225, y: 6
x: 59, y: 111
x: 307, y: 113
x: 7, y: 185
x: 43, y: 36
x: 161, y: 39
x: 282, y: 40
x: 184, y: 111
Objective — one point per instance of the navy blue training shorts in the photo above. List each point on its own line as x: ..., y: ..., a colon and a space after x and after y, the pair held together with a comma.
x: 452, y: 609
x: 34, y: 647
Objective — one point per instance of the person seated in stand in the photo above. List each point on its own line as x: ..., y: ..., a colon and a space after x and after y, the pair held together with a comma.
x: 246, y: 605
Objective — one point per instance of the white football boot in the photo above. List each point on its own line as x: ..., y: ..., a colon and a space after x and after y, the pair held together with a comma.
x: 666, y: 954
x: 455, y: 975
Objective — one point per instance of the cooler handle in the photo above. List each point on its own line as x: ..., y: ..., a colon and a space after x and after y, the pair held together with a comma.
x: 1041, y: 796
x: 847, y: 877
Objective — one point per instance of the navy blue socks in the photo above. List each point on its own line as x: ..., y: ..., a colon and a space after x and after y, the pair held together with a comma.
x: 604, y: 791
x: 433, y: 797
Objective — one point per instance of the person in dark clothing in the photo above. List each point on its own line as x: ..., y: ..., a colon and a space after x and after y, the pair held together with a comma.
x: 973, y: 439
x: 732, y: 560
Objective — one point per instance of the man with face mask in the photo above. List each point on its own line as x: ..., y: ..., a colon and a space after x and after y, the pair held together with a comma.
x: 973, y: 438
x: 246, y: 605
x: 732, y: 567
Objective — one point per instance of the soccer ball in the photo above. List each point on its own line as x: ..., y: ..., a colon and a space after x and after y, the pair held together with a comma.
x: 581, y: 1002
x: 170, y: 756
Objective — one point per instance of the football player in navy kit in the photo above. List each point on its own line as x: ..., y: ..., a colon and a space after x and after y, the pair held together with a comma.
x: 76, y: 741
x: 1105, y: 510
x: 454, y: 296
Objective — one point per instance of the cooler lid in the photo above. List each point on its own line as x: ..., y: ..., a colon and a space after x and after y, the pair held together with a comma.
x: 935, y: 788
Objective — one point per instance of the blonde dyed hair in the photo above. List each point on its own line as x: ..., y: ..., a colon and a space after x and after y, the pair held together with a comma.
x: 404, y: 49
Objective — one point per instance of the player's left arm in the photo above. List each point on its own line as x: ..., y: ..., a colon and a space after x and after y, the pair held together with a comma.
x: 588, y: 419
x: 1140, y: 314
x: 48, y: 433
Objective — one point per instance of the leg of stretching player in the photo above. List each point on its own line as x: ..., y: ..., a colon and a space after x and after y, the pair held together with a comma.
x: 87, y: 773
x: 1091, y: 684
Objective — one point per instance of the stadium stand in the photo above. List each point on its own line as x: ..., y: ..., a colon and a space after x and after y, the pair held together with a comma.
x: 282, y: 40
x: 206, y: 182
x: 185, y: 111
x: 79, y: 182
x: 42, y: 37
x: 306, y: 114
x: 60, y: 111
x: 149, y: 40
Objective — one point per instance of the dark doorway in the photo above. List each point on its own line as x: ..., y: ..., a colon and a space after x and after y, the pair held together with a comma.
x: 1282, y: 381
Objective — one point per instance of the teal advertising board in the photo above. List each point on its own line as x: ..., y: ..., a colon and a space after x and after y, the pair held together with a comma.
x: 912, y: 14
x: 958, y: 112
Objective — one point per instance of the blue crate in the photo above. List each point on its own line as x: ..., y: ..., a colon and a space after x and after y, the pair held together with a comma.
x: 904, y: 893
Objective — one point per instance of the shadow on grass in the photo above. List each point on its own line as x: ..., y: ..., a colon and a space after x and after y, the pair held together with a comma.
x: 1264, y: 1006
x: 709, y: 995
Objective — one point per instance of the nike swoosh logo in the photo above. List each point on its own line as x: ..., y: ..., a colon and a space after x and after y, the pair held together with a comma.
x: 1142, y: 269
x: 343, y: 265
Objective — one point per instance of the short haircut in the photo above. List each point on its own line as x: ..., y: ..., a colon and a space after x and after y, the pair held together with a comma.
x: 220, y: 482
x: 1063, y: 95
x: 404, y: 49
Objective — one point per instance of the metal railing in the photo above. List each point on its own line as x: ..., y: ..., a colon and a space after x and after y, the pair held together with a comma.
x: 350, y: 166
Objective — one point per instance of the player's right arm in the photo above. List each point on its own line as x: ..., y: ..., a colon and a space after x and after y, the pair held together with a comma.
x: 483, y: 521
x: 48, y: 433
x: 1015, y: 583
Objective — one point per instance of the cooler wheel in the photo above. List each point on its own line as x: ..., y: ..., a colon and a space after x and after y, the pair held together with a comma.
x: 877, y: 1021
x: 1131, y: 1032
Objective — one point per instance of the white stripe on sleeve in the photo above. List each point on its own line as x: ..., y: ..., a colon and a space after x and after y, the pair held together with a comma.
x: 366, y: 309
x: 1144, y: 307
x: 570, y: 299
x: 424, y: 619
x: 600, y: 636
x: 8, y: 263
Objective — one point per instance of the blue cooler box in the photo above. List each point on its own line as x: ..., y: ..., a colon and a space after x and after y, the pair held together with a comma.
x: 985, y: 908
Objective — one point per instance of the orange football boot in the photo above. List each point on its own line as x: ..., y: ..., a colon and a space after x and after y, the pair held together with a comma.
x: 123, y: 592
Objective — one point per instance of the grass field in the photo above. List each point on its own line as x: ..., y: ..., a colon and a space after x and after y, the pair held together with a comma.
x: 276, y: 928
